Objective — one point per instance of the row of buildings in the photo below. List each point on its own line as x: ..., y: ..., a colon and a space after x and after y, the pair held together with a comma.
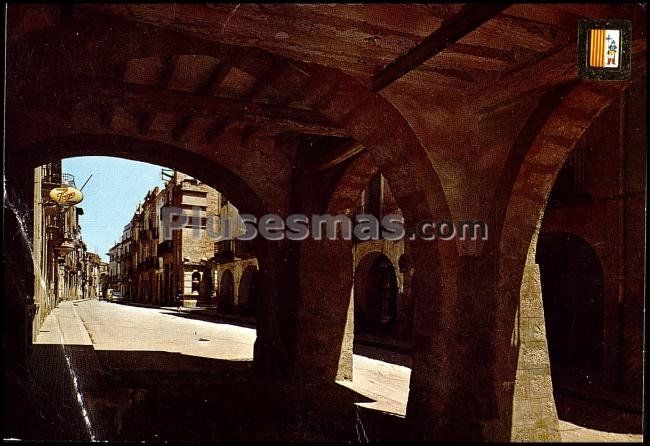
x: 63, y: 267
x: 150, y: 269
x: 224, y: 274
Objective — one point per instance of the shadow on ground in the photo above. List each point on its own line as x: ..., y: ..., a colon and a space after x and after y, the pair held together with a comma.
x: 218, y: 318
x: 161, y: 396
x: 596, y: 415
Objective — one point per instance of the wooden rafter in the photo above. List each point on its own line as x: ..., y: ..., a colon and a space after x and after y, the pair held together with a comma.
x: 217, y: 130
x: 215, y: 79
x: 331, y: 158
x: 140, y: 98
x: 145, y: 119
x: 460, y: 24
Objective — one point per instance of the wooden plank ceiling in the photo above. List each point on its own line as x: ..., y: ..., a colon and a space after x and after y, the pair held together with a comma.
x: 482, y: 52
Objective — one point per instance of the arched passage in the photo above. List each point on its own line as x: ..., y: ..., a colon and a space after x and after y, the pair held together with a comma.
x: 431, y: 282
x: 345, y: 103
x: 518, y: 290
x: 22, y: 159
x: 247, y: 295
x: 375, y: 296
x: 572, y: 291
x: 364, y: 115
x: 226, y: 291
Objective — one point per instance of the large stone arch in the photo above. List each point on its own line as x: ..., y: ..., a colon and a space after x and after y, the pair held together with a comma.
x: 520, y: 356
x: 21, y: 159
x: 364, y: 115
x: 433, y: 378
x: 347, y: 103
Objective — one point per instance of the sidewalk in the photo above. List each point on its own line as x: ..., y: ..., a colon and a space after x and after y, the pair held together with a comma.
x: 63, y: 326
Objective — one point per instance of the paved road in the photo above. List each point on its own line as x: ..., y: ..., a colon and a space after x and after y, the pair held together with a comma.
x: 165, y: 346
x: 112, y: 326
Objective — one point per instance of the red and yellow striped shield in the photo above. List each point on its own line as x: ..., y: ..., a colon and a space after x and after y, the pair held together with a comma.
x: 604, y: 48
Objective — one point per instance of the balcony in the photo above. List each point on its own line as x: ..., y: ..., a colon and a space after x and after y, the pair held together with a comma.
x: 56, y: 179
x: 66, y: 247
x: 244, y: 248
x: 54, y: 232
x: 151, y: 262
x: 224, y: 251
x: 165, y: 247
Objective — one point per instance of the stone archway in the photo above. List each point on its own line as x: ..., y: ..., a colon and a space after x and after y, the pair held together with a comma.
x: 248, y: 289
x: 346, y: 105
x: 431, y: 278
x: 522, y: 355
x: 226, y: 291
x: 375, y: 295
x: 22, y: 159
x: 573, y: 293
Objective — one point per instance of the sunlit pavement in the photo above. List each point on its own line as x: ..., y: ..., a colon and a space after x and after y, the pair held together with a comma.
x: 112, y: 327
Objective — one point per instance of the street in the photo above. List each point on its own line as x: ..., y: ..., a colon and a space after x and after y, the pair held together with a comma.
x: 137, y: 373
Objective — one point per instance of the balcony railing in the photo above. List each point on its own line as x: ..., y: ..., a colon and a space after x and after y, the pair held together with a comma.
x: 244, y: 248
x: 224, y: 250
x: 165, y: 247
x: 151, y: 262
x: 56, y: 179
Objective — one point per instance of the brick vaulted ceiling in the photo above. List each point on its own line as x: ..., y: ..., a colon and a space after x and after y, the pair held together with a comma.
x: 464, y: 76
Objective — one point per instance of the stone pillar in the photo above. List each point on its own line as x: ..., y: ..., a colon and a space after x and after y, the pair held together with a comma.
x: 534, y: 415
x: 436, y: 370
x: 276, y: 312
x: 325, y: 311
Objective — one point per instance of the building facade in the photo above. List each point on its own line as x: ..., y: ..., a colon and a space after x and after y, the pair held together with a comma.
x: 151, y: 268
x: 93, y: 274
x: 234, y: 268
x: 61, y: 271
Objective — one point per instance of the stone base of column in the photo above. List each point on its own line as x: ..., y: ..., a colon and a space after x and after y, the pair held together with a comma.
x: 534, y: 415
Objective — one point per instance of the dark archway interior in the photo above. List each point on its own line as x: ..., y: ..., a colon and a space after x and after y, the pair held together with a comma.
x: 196, y: 282
x: 248, y: 290
x: 226, y: 291
x: 573, y: 295
x: 572, y: 289
x: 376, y: 297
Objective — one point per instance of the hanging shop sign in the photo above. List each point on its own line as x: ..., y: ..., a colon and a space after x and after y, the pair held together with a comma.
x: 66, y: 196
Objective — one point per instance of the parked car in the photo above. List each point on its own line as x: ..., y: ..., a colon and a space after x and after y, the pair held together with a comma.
x: 116, y: 296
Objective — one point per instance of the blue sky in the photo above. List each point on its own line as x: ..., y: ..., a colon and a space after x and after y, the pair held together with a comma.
x: 111, y: 195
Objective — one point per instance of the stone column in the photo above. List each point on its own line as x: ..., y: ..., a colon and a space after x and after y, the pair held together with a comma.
x: 534, y: 415
x: 325, y: 331
x: 276, y: 312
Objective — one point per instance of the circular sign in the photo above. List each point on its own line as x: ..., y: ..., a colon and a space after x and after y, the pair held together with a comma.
x: 66, y: 196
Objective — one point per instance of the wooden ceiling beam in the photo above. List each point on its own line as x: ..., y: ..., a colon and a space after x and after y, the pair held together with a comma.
x: 460, y: 24
x: 216, y: 77
x: 146, y: 98
x: 145, y: 119
x: 332, y: 158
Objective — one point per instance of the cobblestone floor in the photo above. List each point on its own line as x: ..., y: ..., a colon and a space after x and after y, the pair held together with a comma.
x: 115, y: 327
